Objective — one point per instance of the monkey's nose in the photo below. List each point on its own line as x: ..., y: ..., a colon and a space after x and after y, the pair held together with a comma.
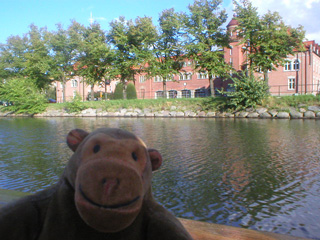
x: 110, y: 185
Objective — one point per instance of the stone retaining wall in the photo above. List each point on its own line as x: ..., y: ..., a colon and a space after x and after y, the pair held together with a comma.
x: 311, y: 112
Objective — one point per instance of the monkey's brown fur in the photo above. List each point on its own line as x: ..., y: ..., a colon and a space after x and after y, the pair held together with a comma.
x: 104, y: 193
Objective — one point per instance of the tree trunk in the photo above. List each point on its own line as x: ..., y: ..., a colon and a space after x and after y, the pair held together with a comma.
x: 124, y: 89
x: 164, y: 82
x: 92, y: 92
x: 211, y: 81
x: 63, y: 89
x: 266, y: 77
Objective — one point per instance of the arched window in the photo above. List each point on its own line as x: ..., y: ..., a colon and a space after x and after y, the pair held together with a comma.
x: 159, y: 94
x: 199, y: 93
x: 296, y: 64
x: 203, y: 75
x: 74, y: 83
x: 185, y: 76
x: 186, y: 93
x: 173, y: 94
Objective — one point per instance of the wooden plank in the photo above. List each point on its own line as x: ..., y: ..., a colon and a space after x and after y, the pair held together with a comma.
x: 211, y: 231
x: 198, y: 230
x: 7, y: 196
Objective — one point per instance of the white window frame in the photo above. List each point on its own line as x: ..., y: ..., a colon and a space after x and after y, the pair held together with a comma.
x: 291, y: 83
x: 157, y: 79
x: 202, y: 75
x: 294, y: 64
x: 142, y: 79
x: 185, y: 76
x: 288, y: 66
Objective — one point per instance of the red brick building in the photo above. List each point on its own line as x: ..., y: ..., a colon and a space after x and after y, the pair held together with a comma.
x: 301, y: 75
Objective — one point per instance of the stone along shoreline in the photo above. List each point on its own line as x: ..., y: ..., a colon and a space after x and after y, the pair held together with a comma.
x: 305, y: 112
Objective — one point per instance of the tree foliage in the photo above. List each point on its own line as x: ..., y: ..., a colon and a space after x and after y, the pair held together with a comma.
x: 118, y: 92
x: 204, y: 26
x: 132, y: 41
x: 95, y: 60
x: 23, y: 94
x: 131, y: 91
x: 168, y: 48
x: 247, y: 92
x: 12, y: 58
x: 268, y: 41
x: 64, y: 48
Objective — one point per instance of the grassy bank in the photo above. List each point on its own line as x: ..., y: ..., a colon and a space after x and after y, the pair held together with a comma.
x: 114, y: 105
x: 193, y: 104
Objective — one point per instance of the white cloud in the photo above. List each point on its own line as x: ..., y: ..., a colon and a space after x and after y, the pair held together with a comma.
x: 295, y: 13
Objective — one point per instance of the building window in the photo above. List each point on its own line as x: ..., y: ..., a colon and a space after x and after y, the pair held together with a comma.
x: 186, y: 93
x: 74, y: 94
x: 142, y: 79
x: 159, y: 94
x: 287, y: 66
x: 74, y: 83
x: 199, y: 93
x: 203, y: 75
x: 157, y: 79
x: 296, y: 64
x: 230, y: 51
x: 188, y: 63
x: 173, y: 94
x: 291, y: 83
x: 185, y: 76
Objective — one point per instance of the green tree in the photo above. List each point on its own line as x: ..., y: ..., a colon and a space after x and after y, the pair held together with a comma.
x: 204, y: 25
x: 132, y: 41
x: 24, y: 95
x: 247, y: 92
x: 96, y: 58
x: 131, y: 91
x: 168, y: 50
x: 268, y: 41
x: 38, y: 60
x: 118, y: 92
x: 12, y: 57
x: 64, y: 48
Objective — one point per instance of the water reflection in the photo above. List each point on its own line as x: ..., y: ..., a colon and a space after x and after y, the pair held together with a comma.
x: 259, y: 174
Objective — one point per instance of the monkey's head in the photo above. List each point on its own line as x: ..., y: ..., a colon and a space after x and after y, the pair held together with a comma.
x: 110, y: 171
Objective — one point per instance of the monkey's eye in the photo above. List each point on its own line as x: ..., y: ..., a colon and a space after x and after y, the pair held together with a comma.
x: 96, y: 148
x: 134, y: 156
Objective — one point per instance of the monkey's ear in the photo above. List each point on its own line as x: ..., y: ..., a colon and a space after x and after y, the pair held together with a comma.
x: 75, y: 137
x: 156, y: 158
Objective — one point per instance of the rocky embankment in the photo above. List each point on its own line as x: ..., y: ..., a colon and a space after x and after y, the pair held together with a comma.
x: 304, y: 112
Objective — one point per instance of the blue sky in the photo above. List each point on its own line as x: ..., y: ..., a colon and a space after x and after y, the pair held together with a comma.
x: 17, y: 15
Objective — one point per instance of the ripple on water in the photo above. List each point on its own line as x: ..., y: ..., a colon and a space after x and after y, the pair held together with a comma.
x: 261, y: 175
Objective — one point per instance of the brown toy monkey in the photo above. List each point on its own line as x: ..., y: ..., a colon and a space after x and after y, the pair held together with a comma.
x: 104, y: 193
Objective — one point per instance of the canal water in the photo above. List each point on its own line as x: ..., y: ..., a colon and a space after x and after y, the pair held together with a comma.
x: 253, y: 173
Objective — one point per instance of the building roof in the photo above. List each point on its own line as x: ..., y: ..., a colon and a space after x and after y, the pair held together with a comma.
x: 233, y: 22
x: 314, y: 45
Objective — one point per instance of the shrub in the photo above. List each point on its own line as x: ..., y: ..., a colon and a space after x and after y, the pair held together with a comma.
x: 248, y: 92
x: 75, y: 105
x: 24, y: 96
x: 118, y: 92
x: 131, y: 91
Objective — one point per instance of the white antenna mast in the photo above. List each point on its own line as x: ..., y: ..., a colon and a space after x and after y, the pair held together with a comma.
x: 91, y: 19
